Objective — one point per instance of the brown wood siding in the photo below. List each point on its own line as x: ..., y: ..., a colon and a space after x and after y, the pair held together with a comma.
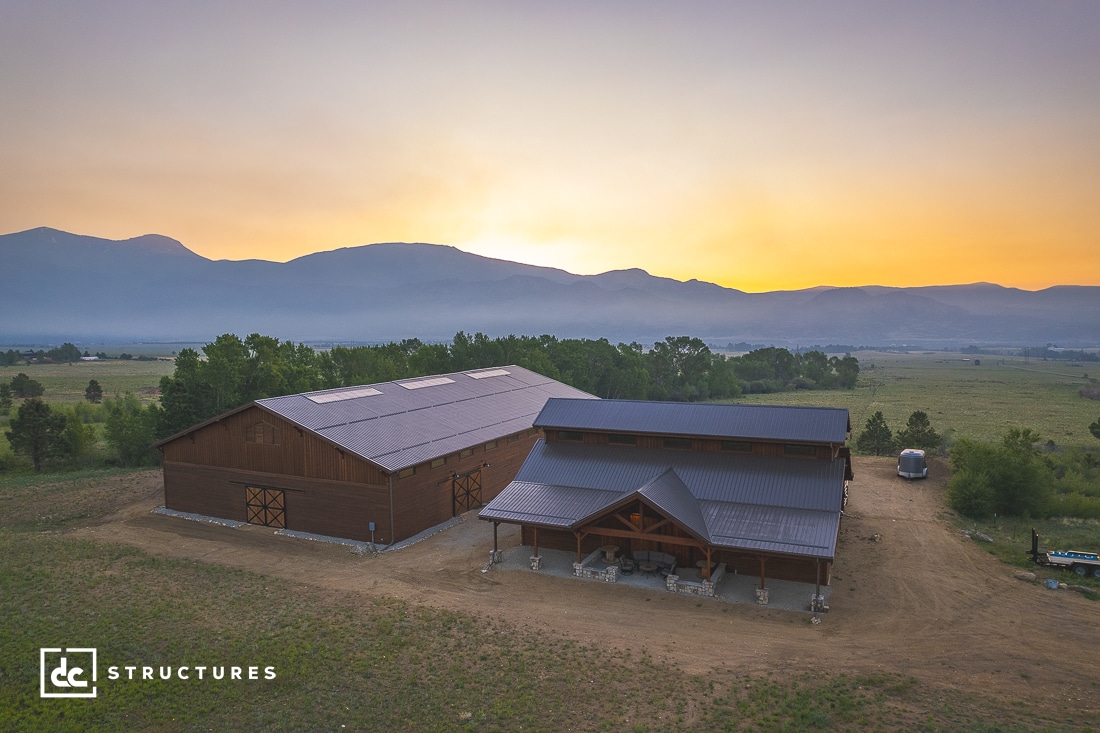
x: 337, y: 493
x: 299, y: 453
x: 699, y: 445
x: 334, y: 508
x: 425, y: 499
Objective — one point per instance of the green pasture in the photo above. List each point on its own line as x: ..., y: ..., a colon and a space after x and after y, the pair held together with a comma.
x: 964, y: 399
x: 65, y: 383
x: 359, y: 662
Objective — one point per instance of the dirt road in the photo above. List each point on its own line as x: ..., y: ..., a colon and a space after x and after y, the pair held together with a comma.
x: 911, y: 595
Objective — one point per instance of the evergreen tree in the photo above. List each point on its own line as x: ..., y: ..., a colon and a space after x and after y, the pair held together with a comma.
x: 23, y: 386
x: 93, y: 392
x: 918, y: 433
x: 876, y: 438
x: 37, y: 432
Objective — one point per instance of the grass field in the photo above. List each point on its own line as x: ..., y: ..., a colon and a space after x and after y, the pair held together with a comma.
x: 65, y: 383
x: 963, y: 399
x: 351, y: 662
x: 354, y: 662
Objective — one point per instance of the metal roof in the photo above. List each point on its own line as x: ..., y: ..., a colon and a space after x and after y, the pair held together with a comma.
x: 783, y: 505
x: 765, y: 422
x: 395, y: 427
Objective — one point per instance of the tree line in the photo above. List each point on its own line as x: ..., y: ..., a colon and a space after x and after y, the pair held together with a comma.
x: 231, y: 371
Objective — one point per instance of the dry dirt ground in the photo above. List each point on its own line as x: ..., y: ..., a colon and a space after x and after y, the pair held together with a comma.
x: 921, y: 601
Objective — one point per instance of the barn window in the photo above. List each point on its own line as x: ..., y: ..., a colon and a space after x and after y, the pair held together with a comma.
x: 513, y: 438
x: 466, y: 453
x: 262, y: 433
x: 619, y: 439
x: 406, y: 472
x: 574, y: 435
x: 491, y: 445
x: 798, y: 449
x: 678, y: 443
x: 532, y: 431
x: 737, y: 446
x: 439, y: 462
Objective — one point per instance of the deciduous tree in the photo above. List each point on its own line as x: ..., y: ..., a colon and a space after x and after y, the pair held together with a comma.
x: 1011, y: 473
x: 130, y: 431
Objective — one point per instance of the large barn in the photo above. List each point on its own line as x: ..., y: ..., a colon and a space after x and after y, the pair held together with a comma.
x: 757, y: 489
x: 380, y: 462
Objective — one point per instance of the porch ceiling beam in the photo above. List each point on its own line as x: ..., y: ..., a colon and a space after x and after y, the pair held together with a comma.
x: 627, y: 522
x: 666, y: 538
x: 659, y: 524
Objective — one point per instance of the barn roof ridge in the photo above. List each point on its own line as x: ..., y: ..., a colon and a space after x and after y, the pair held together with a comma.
x: 399, y: 428
x: 725, y: 420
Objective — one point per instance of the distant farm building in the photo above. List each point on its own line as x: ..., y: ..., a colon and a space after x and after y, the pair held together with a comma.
x: 400, y: 456
x: 756, y: 489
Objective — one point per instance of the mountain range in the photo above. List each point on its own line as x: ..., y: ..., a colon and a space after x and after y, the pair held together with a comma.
x: 68, y: 287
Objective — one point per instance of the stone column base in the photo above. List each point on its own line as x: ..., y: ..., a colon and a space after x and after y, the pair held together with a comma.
x: 762, y: 596
x: 536, y: 562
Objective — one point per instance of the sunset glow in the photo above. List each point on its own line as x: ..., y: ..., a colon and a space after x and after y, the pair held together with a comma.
x: 762, y: 146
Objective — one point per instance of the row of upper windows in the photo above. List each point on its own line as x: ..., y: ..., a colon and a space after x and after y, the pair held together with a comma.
x: 468, y: 452
x: 674, y: 443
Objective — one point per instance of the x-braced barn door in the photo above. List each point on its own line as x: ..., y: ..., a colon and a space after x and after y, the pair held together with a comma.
x: 465, y: 491
x: 266, y: 507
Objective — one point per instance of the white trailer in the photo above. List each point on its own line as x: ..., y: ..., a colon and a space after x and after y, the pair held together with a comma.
x: 911, y: 464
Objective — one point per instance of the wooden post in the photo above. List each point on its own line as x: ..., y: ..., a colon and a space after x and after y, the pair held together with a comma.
x: 762, y: 561
x: 707, y: 573
x: 495, y: 525
x: 535, y: 531
x: 578, y: 535
x: 817, y: 562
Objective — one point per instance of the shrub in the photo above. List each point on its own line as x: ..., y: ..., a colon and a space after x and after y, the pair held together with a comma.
x: 971, y: 494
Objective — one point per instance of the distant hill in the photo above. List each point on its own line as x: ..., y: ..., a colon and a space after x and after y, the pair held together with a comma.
x: 62, y: 286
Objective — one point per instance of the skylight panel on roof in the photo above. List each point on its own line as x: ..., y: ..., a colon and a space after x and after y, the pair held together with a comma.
x: 348, y: 394
x: 490, y: 373
x: 433, y: 382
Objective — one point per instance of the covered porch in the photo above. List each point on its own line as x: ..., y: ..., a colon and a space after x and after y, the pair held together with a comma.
x: 733, y: 587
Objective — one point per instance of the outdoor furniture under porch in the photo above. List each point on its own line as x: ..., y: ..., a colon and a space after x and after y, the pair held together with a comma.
x: 730, y: 587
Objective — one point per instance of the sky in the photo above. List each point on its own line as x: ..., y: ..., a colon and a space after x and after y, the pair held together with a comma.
x: 759, y: 145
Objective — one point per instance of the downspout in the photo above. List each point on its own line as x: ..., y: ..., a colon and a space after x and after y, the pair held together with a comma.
x: 393, y: 532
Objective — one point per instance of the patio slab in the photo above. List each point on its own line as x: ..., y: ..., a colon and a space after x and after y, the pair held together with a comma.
x: 785, y: 595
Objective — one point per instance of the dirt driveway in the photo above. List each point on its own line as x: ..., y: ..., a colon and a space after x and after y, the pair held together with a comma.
x: 920, y: 600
